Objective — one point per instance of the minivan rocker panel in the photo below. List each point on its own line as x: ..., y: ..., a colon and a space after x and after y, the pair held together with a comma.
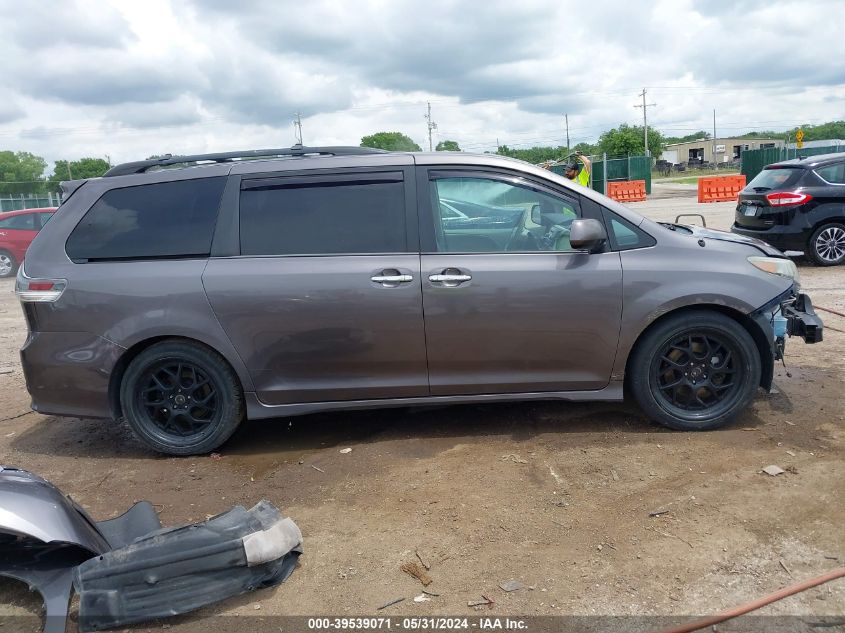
x: 318, y: 282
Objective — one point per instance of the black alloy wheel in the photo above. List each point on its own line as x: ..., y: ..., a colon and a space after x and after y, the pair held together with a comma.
x: 178, y: 398
x: 181, y: 398
x: 694, y: 370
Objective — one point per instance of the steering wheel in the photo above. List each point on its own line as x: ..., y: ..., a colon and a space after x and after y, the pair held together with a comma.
x: 555, y: 233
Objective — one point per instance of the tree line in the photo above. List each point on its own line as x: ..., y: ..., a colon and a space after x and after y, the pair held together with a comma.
x: 23, y: 172
x: 619, y: 141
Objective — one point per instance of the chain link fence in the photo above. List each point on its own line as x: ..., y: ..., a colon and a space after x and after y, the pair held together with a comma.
x: 19, y: 201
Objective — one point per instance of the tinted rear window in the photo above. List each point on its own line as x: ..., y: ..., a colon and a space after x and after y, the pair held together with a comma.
x: 162, y: 220
x: 776, y: 178
x: 323, y: 218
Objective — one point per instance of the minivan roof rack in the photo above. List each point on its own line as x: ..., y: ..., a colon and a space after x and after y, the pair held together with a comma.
x: 141, y: 166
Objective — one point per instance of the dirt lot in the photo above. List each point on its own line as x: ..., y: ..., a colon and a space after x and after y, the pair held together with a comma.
x: 556, y: 495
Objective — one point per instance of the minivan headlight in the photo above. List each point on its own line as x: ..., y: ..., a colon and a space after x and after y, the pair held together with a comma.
x: 776, y: 266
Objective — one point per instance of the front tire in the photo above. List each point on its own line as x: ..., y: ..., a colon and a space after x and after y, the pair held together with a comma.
x: 827, y: 244
x: 695, y: 371
x: 181, y: 398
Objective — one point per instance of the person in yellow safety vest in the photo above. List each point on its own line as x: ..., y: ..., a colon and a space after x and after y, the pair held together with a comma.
x: 579, y: 173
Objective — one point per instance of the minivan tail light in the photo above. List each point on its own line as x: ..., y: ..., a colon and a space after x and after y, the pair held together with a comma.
x: 787, y: 198
x: 29, y: 290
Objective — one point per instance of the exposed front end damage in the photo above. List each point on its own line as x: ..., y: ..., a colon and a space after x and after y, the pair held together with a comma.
x: 802, y: 320
x: 789, y: 314
x: 130, y: 569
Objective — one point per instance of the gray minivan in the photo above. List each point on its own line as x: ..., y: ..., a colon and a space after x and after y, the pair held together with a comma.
x: 185, y: 294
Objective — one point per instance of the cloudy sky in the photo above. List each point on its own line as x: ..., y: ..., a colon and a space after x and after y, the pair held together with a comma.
x: 127, y: 79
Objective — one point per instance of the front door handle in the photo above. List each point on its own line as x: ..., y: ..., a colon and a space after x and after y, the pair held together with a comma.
x: 449, y: 278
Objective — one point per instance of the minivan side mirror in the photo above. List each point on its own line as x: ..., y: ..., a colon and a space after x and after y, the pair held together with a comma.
x: 587, y: 234
x: 536, y: 215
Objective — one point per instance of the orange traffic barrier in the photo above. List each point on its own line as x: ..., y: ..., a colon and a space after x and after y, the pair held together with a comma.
x: 627, y: 190
x: 720, y: 188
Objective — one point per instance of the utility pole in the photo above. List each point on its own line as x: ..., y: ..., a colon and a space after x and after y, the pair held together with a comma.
x: 431, y: 126
x: 297, y: 128
x: 566, y: 117
x: 714, y: 135
x: 645, y: 106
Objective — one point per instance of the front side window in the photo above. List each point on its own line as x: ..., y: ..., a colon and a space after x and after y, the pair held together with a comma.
x: 834, y: 174
x: 323, y: 218
x: 488, y: 215
x: 624, y: 235
x: 164, y: 220
x: 24, y: 222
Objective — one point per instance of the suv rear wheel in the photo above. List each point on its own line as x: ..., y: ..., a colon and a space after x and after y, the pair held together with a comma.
x: 827, y: 244
x: 181, y: 398
x: 695, y: 371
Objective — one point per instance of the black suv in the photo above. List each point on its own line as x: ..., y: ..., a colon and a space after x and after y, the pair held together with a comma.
x: 798, y: 205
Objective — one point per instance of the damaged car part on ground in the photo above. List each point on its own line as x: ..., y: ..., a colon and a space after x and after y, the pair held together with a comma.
x: 130, y: 569
x: 201, y: 304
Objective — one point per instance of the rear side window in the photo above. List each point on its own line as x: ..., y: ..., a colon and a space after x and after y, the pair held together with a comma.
x: 776, y: 178
x: 25, y: 222
x: 164, y: 220
x: 833, y: 173
x: 323, y: 217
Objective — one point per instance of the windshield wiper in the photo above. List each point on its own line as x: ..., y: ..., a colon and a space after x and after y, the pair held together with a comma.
x: 761, y: 189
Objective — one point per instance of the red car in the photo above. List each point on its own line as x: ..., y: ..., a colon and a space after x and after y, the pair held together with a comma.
x: 17, y: 230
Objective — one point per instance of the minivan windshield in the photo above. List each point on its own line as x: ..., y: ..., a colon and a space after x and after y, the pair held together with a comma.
x: 775, y: 178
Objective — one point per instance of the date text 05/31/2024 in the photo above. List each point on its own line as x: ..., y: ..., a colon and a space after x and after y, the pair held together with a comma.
x: 417, y: 624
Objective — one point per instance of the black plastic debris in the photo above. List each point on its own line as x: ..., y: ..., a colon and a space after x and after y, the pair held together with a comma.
x: 128, y: 569
x: 174, y: 571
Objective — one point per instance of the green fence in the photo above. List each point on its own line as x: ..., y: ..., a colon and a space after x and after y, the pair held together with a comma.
x: 618, y: 169
x: 18, y: 201
x: 752, y: 161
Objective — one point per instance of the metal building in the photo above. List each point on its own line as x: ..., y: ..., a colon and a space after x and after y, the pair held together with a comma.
x: 719, y: 150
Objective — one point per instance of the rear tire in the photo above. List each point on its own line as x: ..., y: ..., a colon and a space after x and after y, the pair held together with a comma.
x: 8, y: 265
x: 181, y: 398
x: 827, y: 244
x: 695, y: 371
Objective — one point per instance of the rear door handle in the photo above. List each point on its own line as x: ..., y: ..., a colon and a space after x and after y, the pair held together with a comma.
x: 392, y: 279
